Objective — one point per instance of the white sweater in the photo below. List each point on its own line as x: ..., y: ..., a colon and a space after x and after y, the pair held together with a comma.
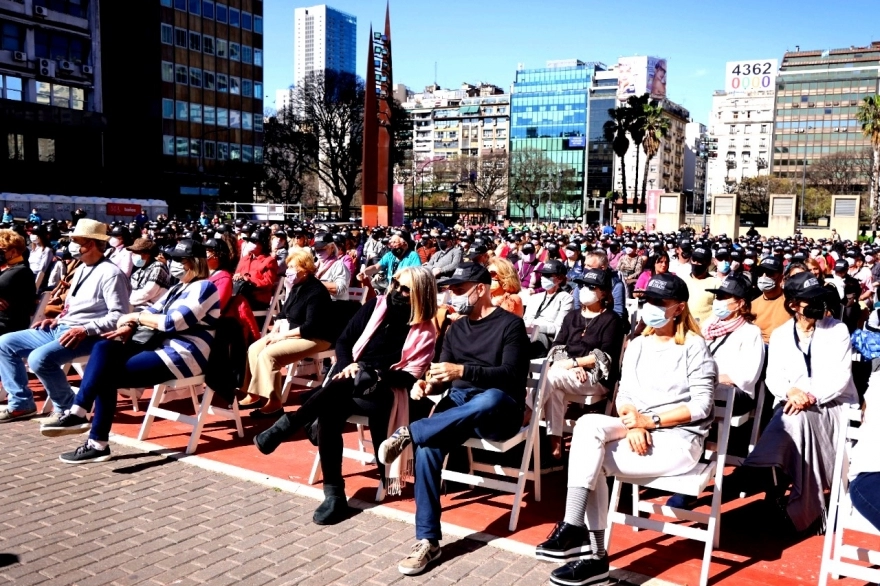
x: 740, y: 356
x: 552, y: 308
x: 831, y: 359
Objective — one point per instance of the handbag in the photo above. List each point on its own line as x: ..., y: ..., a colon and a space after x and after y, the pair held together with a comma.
x: 147, y: 338
x: 242, y: 287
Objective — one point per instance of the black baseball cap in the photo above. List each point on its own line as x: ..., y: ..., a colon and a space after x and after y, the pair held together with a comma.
x: 701, y: 255
x: 803, y: 286
x: 595, y: 277
x: 841, y: 266
x: 667, y: 286
x: 476, y: 251
x: 217, y: 245
x: 188, y: 248
x: 771, y: 264
x: 467, y: 272
x: 735, y: 285
x: 322, y: 240
x: 554, y: 267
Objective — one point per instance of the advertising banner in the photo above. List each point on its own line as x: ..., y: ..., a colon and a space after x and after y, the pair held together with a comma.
x: 397, y: 205
x: 637, y: 76
x: 755, y: 77
x: 652, y: 208
x: 123, y: 209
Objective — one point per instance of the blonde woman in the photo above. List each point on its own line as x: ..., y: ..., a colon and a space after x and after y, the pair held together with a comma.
x: 505, y: 286
x: 308, y: 326
x: 385, y: 348
x: 663, y: 423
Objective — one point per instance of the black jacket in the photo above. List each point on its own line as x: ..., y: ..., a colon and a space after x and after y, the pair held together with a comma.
x: 309, y: 307
x: 18, y: 289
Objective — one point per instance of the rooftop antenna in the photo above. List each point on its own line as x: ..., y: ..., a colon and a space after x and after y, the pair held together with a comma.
x: 435, y: 73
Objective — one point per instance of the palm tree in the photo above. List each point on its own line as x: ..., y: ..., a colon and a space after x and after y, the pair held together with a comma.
x: 656, y: 127
x: 636, y: 106
x: 868, y: 116
x: 614, y: 131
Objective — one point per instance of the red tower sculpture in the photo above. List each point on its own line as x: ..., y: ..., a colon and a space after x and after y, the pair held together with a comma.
x: 376, y: 177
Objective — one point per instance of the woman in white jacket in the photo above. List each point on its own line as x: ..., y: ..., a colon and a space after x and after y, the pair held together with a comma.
x: 809, y: 371
x: 332, y: 271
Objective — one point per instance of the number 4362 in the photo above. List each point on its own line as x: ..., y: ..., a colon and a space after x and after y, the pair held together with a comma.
x: 752, y: 69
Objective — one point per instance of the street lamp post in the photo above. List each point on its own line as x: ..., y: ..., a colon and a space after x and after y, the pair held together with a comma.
x: 803, y: 189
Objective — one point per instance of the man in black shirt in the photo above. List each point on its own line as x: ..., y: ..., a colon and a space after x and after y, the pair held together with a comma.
x: 485, y: 362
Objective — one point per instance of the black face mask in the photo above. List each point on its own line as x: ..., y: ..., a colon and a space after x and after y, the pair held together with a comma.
x: 442, y: 244
x: 699, y: 270
x: 815, y: 310
x: 398, y: 252
x: 398, y: 299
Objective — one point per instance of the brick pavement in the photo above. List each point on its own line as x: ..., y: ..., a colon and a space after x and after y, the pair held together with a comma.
x: 143, y: 518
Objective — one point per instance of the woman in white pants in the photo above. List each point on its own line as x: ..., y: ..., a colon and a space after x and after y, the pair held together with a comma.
x: 665, y: 403
x: 592, y: 337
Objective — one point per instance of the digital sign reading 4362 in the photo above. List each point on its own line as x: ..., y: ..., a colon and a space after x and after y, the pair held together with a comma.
x: 752, y: 76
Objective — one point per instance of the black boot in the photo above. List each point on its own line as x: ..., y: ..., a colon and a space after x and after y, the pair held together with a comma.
x: 269, y: 440
x: 334, y: 509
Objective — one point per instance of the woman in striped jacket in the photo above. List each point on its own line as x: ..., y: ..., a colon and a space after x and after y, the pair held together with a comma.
x: 180, y: 328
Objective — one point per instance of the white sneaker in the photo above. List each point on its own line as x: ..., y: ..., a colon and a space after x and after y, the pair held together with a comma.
x: 421, y: 555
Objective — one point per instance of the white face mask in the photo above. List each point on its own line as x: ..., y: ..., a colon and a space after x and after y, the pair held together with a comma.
x: 248, y: 248
x: 587, y: 296
x: 34, y: 238
x: 570, y: 254
x: 653, y: 316
x: 115, y: 242
x: 628, y: 250
x: 765, y: 283
x: 547, y: 283
x: 75, y: 250
x: 462, y: 303
x: 177, y: 269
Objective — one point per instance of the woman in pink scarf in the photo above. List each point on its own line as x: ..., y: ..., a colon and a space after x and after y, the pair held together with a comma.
x: 385, y: 348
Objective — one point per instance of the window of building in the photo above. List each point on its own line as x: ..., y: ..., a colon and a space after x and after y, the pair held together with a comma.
x: 222, y: 83
x: 182, y: 110
x: 258, y: 90
x: 221, y: 45
x: 247, y: 121
x: 234, y: 52
x: 258, y: 122
x: 222, y: 12
x: 258, y: 155
x: 208, y: 9
x: 210, y: 149
x: 247, y: 153
x: 166, y: 3
x: 208, y: 45
x: 195, y: 77
x: 180, y: 37
x: 763, y: 129
x: 487, y: 134
x: 222, y: 151
x: 195, y: 148
x: 11, y: 37
x: 234, y: 86
x: 167, y: 34
x: 234, y: 119
x: 60, y: 46
x: 181, y: 146
x: 247, y: 21
x: 195, y: 113
x: 258, y: 24
x: 46, y: 150
x: 234, y: 17
x: 223, y: 117
x: 195, y: 7
x: 247, y: 54
x: 195, y: 41
x: 247, y: 88
x: 180, y: 5
x: 167, y: 72
x: 210, y: 115
x: 15, y: 144
x: 168, y: 108
x: 181, y: 74
x: 208, y: 80
x: 168, y: 145
x: 258, y: 57
x: 10, y: 88
x: 234, y: 152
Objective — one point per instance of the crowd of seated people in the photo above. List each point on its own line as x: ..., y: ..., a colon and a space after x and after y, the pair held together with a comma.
x: 458, y: 313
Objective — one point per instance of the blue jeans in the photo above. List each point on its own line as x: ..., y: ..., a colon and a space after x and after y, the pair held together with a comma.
x: 864, y: 492
x: 45, y: 357
x: 113, y: 366
x: 464, y: 413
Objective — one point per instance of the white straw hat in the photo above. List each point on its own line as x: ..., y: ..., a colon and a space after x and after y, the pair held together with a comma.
x: 86, y: 228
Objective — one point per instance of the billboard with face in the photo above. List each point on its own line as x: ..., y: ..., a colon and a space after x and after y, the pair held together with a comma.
x: 641, y: 75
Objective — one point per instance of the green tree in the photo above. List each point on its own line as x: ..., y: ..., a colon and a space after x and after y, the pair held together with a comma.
x: 615, y: 131
x: 636, y: 128
x: 868, y: 116
x: 291, y: 152
x: 655, y: 127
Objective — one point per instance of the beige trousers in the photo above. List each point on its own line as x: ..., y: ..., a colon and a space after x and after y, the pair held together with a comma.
x: 561, y: 382
x: 263, y: 374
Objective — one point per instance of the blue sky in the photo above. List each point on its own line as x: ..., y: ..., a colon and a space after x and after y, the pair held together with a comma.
x: 484, y: 40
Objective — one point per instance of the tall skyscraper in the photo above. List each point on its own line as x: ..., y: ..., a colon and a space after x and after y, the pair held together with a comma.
x: 323, y: 38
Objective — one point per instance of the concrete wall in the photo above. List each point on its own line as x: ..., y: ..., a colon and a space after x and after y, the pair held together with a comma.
x: 725, y: 215
x: 670, y: 214
x: 783, y: 215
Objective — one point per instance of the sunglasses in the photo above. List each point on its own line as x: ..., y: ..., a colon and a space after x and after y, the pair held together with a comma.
x: 592, y: 287
x: 493, y: 275
x: 402, y: 288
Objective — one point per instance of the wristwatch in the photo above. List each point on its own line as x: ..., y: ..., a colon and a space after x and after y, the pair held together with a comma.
x: 656, y: 420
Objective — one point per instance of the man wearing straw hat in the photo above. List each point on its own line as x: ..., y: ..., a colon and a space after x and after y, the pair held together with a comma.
x: 98, y: 296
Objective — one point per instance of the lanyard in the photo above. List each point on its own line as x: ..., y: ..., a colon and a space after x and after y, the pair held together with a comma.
x: 83, y: 280
x: 712, y: 350
x: 808, y: 355
x: 548, y: 302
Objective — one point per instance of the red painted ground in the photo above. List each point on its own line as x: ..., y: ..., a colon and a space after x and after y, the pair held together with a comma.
x: 751, y: 552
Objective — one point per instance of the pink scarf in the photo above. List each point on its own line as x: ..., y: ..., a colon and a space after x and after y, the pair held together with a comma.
x: 717, y: 328
x: 418, y: 351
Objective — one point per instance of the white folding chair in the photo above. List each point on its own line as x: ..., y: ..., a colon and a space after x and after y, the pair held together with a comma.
x: 528, y: 435
x: 691, y: 483
x: 632, y: 307
x: 356, y: 294
x: 190, y: 387
x: 38, y: 280
x: 296, y: 373
x: 40, y: 313
x: 274, y: 308
x: 79, y: 365
x: 755, y: 417
x: 360, y: 454
x: 837, y: 556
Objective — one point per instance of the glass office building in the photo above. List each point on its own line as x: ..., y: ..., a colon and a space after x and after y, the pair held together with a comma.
x: 559, y: 111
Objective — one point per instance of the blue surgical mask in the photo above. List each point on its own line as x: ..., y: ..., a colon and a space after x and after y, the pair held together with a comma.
x: 547, y: 283
x: 653, y: 316
x: 138, y: 261
x: 462, y: 303
x: 720, y: 308
x: 724, y: 267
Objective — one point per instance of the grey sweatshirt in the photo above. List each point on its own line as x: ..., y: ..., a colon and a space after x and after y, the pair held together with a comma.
x: 657, y: 378
x: 98, y: 297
